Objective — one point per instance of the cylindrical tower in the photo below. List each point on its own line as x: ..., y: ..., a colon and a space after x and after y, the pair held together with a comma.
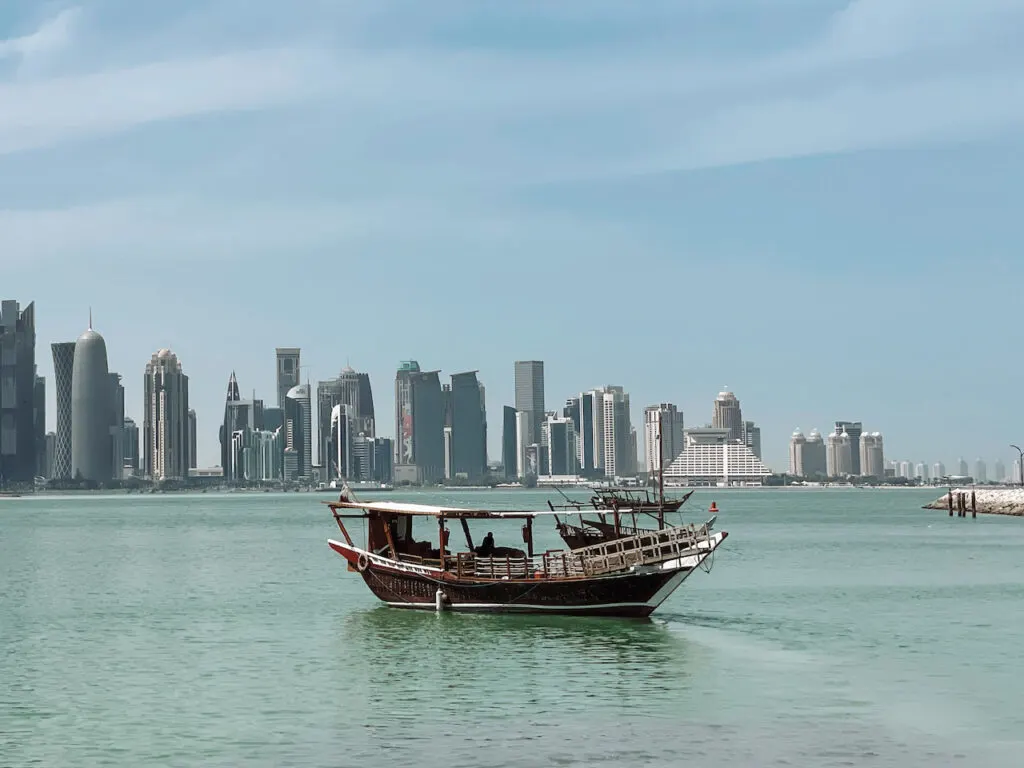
x: 90, y: 410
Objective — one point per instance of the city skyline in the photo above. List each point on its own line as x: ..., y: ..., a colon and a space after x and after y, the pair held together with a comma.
x: 209, y: 450
x: 764, y: 159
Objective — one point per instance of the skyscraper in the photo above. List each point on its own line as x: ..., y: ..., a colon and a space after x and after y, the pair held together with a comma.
x: 815, y: 461
x: 872, y: 455
x: 961, y: 467
x: 298, y: 420
x: 509, y: 463
x: 39, y: 424
x: 524, y: 465
x: 419, y: 428
x: 339, y: 461
x: 91, y: 410
x: 352, y: 389
x: 921, y: 470
x: 796, y: 453
x: 727, y: 415
x: 752, y: 437
x: 590, y: 435
x: 116, y: 426
x: 131, y: 445
x: 560, y: 438
x: 193, y: 440
x: 633, y: 451
x: 19, y: 430
x: 51, y: 449
x: 63, y: 368
x: 840, y: 455
x: 165, y: 420
x: 853, y: 431
x: 1000, y: 471
x: 287, y: 372
x: 469, y: 427
x: 938, y: 470
x: 619, y: 456
x: 665, y: 420
x: 529, y: 382
x: 980, y: 471
x: 239, y: 417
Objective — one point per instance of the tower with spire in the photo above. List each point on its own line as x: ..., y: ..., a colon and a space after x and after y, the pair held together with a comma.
x: 239, y: 416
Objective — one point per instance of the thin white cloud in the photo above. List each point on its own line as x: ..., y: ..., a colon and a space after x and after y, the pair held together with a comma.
x: 53, y: 36
x: 850, y: 119
x: 891, y: 27
x: 194, y: 230
x: 40, y: 113
x: 480, y: 113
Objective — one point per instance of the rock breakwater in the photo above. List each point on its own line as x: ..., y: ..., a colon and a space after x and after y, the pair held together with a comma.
x: 990, y: 501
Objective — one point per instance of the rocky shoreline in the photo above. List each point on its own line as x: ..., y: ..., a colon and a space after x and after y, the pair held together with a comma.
x: 990, y: 501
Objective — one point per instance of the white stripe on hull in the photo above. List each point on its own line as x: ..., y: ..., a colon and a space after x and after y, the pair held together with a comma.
x: 652, y: 604
x: 519, y: 607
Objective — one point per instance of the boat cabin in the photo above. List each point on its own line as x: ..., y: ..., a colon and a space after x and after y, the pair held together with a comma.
x: 390, y: 532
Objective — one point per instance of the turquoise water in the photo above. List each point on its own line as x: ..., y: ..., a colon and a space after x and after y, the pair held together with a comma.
x: 836, y: 628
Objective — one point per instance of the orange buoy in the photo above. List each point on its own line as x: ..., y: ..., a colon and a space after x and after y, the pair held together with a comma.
x: 713, y: 508
x: 538, y: 574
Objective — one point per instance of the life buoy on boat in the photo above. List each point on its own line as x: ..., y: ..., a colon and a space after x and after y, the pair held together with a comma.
x: 363, y: 562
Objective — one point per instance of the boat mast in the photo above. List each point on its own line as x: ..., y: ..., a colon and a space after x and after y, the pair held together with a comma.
x: 661, y: 473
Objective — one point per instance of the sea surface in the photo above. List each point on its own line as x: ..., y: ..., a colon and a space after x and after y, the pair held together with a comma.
x: 837, y: 628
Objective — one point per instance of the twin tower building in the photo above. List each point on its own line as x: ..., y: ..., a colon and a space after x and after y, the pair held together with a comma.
x: 94, y: 441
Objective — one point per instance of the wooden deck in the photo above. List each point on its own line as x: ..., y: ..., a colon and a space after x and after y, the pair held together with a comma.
x: 647, y: 548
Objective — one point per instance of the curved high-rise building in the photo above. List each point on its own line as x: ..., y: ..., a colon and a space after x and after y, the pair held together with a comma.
x: 91, y: 410
x: 63, y: 367
x: 298, y: 417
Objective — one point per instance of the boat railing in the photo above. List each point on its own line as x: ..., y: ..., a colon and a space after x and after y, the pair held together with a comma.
x: 553, y: 563
x: 644, y: 549
x: 624, y: 530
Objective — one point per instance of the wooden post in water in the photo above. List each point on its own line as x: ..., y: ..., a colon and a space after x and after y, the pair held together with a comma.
x: 950, y: 502
x: 974, y: 506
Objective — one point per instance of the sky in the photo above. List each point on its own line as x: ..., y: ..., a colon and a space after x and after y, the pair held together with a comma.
x: 813, y: 203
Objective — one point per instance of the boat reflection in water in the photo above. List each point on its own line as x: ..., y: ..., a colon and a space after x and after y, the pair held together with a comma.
x: 628, y: 576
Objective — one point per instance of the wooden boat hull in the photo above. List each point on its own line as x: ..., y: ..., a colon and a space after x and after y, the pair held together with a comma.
x: 632, y: 594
